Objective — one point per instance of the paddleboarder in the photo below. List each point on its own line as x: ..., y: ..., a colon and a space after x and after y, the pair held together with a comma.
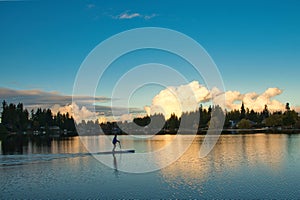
x: 115, y: 141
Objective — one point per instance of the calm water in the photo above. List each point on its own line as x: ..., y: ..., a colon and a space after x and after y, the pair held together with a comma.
x: 240, y: 166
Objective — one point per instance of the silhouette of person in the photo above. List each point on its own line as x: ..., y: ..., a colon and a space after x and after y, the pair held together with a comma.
x: 115, y: 141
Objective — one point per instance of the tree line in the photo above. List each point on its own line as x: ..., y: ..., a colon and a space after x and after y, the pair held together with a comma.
x: 17, y: 119
x: 242, y: 118
x: 246, y: 118
x: 14, y: 118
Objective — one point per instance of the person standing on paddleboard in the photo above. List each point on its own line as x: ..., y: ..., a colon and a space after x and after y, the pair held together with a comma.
x: 115, y: 141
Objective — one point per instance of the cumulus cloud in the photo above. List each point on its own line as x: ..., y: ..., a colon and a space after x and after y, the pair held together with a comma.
x: 184, y: 98
x: 255, y: 101
x: 100, y: 113
x: 78, y: 113
x: 126, y: 117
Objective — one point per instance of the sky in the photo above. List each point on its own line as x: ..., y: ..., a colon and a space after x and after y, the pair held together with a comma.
x: 254, y: 44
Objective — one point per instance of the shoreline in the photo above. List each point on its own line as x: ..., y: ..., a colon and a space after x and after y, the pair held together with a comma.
x: 185, y: 132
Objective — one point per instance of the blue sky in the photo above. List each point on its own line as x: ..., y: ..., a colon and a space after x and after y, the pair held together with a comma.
x: 255, y: 44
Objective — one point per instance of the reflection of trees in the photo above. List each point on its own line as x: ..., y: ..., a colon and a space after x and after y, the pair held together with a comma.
x: 90, y: 128
x: 20, y: 144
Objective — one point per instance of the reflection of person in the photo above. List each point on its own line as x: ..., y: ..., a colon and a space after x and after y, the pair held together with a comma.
x: 116, y: 172
x: 115, y: 141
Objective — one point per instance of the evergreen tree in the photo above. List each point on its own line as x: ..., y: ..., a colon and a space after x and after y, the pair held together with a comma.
x: 265, y: 112
x: 287, y: 107
x: 243, y: 111
x: 289, y: 118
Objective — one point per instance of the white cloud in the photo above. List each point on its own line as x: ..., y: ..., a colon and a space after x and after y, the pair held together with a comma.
x: 255, y: 101
x: 129, y: 15
x: 102, y: 119
x: 168, y: 100
x: 178, y: 99
x: 78, y: 113
x: 150, y: 16
x: 126, y: 117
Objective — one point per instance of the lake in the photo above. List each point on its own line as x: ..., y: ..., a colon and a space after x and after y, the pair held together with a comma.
x: 252, y: 166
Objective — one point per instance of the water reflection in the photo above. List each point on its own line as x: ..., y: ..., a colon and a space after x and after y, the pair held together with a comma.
x: 115, y: 164
x: 40, y: 145
x: 261, y: 165
x: 232, y: 152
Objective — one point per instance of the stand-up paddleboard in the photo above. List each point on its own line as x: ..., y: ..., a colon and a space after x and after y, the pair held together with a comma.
x: 115, y: 152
